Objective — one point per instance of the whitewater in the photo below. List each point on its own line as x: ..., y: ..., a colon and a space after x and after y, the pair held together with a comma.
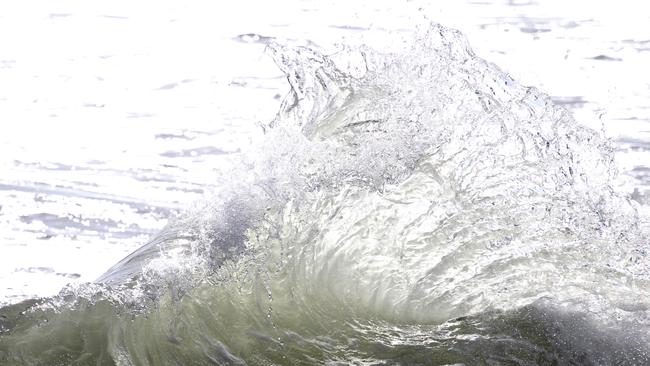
x: 409, y: 204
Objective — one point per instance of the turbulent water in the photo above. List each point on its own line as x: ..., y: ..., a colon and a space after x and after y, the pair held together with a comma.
x: 410, y: 204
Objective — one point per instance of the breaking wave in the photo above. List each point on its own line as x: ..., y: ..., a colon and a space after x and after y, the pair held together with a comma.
x: 409, y: 205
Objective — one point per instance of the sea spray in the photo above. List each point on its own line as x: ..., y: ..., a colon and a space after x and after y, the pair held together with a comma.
x: 412, y: 204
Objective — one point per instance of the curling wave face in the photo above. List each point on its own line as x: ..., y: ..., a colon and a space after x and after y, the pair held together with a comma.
x: 409, y: 205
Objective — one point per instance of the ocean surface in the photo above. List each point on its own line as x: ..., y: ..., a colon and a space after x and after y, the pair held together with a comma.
x: 305, y: 182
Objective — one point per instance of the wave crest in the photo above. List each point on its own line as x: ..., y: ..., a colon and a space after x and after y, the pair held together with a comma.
x: 396, y: 191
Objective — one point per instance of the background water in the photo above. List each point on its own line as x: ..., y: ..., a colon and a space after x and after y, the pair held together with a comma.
x: 116, y: 116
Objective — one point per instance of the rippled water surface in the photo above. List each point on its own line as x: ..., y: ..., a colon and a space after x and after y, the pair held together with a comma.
x: 343, y: 183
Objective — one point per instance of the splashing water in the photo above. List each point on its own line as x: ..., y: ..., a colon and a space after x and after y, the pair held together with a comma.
x: 412, y: 205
